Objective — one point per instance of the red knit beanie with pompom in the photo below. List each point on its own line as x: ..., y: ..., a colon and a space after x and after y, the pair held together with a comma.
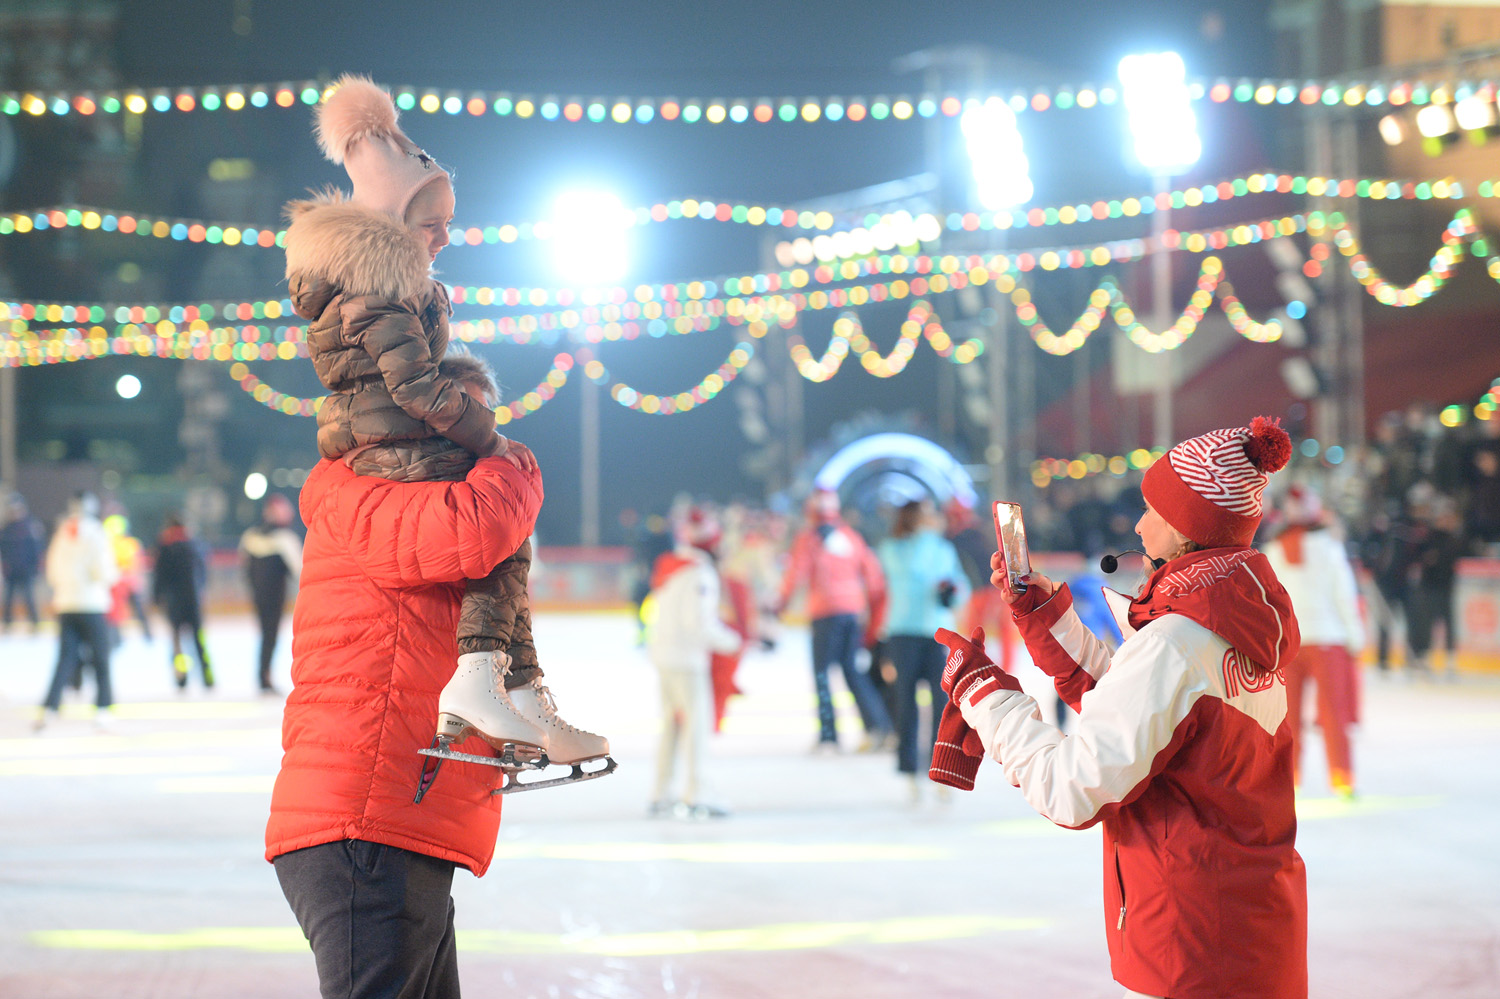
x: 1209, y: 488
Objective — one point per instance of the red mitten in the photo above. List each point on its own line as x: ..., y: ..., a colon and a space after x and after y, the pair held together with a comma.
x: 969, y: 673
x: 957, y: 751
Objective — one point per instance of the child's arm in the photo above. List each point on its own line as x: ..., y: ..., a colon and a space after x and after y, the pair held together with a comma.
x: 392, y: 336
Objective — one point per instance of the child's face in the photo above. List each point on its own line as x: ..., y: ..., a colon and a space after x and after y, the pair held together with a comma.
x: 429, y: 215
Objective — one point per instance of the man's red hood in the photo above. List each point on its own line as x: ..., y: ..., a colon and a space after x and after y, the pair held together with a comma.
x: 1232, y: 592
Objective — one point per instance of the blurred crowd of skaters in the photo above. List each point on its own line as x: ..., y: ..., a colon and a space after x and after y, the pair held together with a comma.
x: 871, y: 583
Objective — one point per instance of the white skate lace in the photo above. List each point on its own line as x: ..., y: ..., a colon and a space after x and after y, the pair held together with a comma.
x: 548, y: 704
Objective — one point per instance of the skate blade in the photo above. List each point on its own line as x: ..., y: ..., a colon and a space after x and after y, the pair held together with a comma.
x: 514, y: 784
x: 513, y: 757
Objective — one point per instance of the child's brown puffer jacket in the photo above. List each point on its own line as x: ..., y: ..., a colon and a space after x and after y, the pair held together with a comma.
x: 377, y: 329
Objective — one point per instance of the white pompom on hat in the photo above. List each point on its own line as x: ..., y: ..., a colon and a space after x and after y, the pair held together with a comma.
x: 356, y: 126
x: 1210, y: 487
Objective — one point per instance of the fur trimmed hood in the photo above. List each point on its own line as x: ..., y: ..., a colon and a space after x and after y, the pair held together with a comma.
x: 358, y: 250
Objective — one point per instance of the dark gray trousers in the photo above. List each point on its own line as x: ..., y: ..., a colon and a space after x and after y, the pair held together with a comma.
x: 379, y: 918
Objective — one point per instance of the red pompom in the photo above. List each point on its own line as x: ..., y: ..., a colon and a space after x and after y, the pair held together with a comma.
x: 1269, y: 448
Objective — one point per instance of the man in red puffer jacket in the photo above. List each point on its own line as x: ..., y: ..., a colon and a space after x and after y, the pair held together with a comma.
x: 367, y: 871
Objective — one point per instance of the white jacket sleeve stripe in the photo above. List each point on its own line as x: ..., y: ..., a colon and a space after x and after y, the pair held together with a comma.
x: 1081, y: 645
x: 1128, y: 720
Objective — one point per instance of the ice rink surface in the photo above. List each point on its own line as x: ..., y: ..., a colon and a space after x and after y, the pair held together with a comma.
x: 131, y: 859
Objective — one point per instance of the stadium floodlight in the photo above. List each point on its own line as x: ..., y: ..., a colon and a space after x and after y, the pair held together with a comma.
x: 1162, y: 123
x: 588, y: 237
x: 1002, y: 173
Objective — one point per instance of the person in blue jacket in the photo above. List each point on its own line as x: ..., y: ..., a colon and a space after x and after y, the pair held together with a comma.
x: 925, y: 585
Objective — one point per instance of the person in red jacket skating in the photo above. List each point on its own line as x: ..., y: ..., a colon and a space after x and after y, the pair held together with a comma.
x: 845, y: 606
x: 1182, y: 750
x: 367, y: 870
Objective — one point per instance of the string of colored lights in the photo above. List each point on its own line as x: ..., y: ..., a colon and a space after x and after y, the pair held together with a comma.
x: 651, y: 302
x: 1457, y: 414
x: 223, y: 233
x: 849, y: 335
x: 23, y: 345
x: 667, y: 405
x: 478, y: 103
x: 1460, y: 230
x: 1045, y: 470
x: 293, y: 405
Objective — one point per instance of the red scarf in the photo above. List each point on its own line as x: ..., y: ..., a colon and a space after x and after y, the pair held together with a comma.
x: 1233, y: 593
x: 667, y: 565
x: 1291, y: 543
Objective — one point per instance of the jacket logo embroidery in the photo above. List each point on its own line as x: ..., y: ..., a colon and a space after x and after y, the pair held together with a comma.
x: 1241, y: 674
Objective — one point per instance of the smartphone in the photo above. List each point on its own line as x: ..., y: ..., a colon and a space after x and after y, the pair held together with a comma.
x: 1010, y: 533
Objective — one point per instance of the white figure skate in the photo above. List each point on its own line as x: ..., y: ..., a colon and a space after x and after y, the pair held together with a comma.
x: 475, y: 702
x: 567, y: 744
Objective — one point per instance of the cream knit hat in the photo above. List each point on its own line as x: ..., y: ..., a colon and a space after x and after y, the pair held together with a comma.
x: 356, y: 126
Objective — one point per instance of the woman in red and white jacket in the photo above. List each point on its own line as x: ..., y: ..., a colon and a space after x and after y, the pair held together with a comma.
x: 1183, y: 747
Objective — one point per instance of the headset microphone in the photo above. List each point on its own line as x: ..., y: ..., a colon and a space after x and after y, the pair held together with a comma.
x: 1110, y: 563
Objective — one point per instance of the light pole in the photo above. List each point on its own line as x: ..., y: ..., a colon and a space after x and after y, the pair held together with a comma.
x: 589, y: 244
x: 1002, y: 179
x: 1166, y: 142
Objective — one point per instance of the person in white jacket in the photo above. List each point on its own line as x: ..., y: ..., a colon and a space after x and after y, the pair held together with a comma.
x: 81, y: 568
x: 1312, y: 564
x: 683, y: 630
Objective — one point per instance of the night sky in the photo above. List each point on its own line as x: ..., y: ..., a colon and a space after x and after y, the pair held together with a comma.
x: 510, y: 171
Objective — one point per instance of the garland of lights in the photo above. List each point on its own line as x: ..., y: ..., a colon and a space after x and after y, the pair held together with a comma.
x: 222, y: 233
x: 666, y: 405
x: 692, y: 110
x: 24, y: 346
x: 1459, y: 231
x: 849, y: 334
x: 657, y: 301
x: 1046, y: 470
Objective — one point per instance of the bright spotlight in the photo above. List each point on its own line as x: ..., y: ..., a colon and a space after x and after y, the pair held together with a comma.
x: 255, y: 486
x: 1002, y: 173
x: 1161, y: 115
x: 1474, y: 113
x: 588, y: 237
x: 1392, y: 130
x: 128, y: 386
x: 1435, y: 121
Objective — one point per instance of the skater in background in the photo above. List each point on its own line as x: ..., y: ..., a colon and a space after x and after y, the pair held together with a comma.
x: 1433, y: 574
x: 367, y: 871
x: 650, y: 539
x: 683, y: 633
x: 80, y: 570
x: 1182, y: 750
x: 845, y: 603
x: 1311, y: 563
x: 271, y: 553
x: 23, y: 539
x: 924, y: 584
x: 178, y: 577
x: 744, y: 560
x: 127, y: 592
x: 359, y: 269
